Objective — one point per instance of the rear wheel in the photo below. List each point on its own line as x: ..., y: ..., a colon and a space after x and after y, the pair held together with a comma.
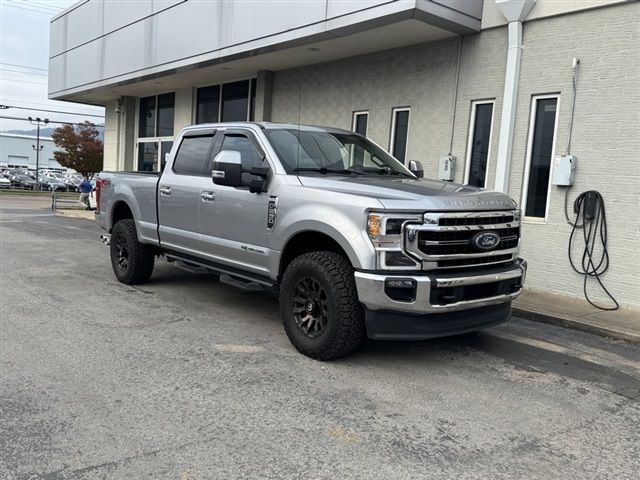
x: 319, y: 306
x: 132, y: 261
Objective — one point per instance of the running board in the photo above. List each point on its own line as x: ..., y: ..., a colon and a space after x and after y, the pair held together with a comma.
x: 228, y: 276
x: 246, y: 285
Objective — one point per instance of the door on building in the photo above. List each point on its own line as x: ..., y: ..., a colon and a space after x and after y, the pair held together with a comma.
x: 233, y: 220
x: 152, y: 154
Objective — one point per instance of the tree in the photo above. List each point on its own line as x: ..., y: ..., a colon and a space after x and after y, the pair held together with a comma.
x: 82, y: 149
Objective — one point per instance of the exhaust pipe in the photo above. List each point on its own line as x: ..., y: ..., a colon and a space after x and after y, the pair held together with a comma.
x: 106, y: 239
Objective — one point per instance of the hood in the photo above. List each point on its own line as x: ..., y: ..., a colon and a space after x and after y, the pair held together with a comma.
x: 412, y: 194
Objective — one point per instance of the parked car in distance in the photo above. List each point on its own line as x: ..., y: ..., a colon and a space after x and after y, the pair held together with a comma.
x: 23, y: 181
x: 5, y: 182
x: 72, y: 182
x: 52, y: 184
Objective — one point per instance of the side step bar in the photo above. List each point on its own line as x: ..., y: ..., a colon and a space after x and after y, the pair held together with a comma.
x: 228, y: 276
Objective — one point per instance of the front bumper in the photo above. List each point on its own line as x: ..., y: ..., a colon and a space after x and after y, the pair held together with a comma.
x: 442, y: 292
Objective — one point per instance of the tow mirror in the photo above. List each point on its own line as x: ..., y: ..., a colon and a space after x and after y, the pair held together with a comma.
x: 227, y: 169
x: 416, y: 168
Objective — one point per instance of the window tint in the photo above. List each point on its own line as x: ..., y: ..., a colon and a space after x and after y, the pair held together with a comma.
x: 400, y: 133
x: 208, y: 104
x: 479, y: 147
x: 147, y: 123
x: 360, y: 121
x: 191, y: 158
x: 235, y: 101
x: 249, y: 153
x: 540, y: 161
x: 166, y: 109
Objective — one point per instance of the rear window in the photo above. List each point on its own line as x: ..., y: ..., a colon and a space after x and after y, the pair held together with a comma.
x: 192, y: 158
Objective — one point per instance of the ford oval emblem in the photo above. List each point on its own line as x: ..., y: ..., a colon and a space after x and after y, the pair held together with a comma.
x: 485, y: 240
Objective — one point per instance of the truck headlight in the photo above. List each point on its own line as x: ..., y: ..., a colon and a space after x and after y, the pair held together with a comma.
x: 386, y: 231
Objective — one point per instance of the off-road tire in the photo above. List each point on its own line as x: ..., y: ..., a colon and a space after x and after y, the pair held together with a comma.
x: 345, y: 327
x: 140, y: 257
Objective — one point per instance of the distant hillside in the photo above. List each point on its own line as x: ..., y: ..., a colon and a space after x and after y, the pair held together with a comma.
x: 48, y: 131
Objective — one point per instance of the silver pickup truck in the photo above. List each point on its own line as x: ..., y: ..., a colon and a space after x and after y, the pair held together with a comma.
x: 354, y: 243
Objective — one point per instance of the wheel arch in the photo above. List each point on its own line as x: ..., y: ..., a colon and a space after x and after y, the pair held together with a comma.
x: 309, y: 241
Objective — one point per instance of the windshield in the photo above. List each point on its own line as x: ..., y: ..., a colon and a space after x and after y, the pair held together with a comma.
x: 328, y: 152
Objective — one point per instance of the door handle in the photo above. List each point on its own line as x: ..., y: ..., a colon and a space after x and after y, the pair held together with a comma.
x: 165, y: 191
x: 208, y: 196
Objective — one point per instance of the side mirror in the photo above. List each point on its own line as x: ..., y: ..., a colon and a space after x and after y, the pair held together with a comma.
x: 227, y: 169
x: 416, y: 168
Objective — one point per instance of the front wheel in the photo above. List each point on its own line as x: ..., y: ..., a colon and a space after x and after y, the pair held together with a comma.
x: 132, y: 261
x: 319, y: 306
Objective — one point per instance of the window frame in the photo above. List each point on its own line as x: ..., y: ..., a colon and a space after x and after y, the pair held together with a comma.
x: 472, y: 127
x: 194, y: 113
x: 527, y: 165
x: 392, y: 138
x: 156, y: 139
x: 354, y: 121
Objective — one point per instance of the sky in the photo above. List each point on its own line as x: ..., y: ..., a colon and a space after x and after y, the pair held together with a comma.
x: 24, y: 60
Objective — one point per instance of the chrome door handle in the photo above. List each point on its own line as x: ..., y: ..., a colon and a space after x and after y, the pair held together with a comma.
x: 208, y: 196
x: 165, y: 191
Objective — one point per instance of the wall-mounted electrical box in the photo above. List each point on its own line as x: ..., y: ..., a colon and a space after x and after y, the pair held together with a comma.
x: 564, y: 169
x: 447, y: 168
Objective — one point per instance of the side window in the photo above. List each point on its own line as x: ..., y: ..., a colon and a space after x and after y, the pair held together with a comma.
x: 192, y: 158
x: 251, y: 156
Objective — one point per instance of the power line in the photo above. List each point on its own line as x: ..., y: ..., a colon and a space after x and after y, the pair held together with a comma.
x: 23, y: 66
x: 50, y: 103
x: 53, y: 111
x: 10, y: 70
x: 50, y: 121
x: 46, y: 12
x: 34, y: 5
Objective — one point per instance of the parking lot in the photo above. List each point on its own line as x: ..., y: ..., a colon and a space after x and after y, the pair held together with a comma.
x: 186, y: 378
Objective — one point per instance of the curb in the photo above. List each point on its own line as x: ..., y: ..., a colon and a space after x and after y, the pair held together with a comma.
x: 85, y: 214
x: 577, y: 325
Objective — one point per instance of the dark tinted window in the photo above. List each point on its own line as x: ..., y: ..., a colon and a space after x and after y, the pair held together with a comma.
x: 480, y: 144
x: 540, y: 163
x: 235, y: 101
x: 166, y: 109
x: 251, y: 156
x: 208, y: 104
x: 361, y: 123
x: 252, y: 101
x: 191, y: 158
x: 147, y: 124
x: 401, y: 130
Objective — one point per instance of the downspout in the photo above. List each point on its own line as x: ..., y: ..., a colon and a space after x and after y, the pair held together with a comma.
x: 515, y: 11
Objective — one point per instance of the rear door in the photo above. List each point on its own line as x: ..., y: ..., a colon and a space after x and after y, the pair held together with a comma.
x: 234, y: 224
x: 180, y: 193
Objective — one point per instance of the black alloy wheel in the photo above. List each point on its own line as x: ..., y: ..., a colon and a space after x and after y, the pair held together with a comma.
x: 310, y: 307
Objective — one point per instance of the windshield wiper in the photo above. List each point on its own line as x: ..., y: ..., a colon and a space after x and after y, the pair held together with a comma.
x: 325, y: 170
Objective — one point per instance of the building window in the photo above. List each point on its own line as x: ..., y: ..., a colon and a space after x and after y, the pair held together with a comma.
x: 156, y: 116
x: 208, y: 104
x: 479, y: 143
x: 230, y: 102
x: 540, y: 151
x: 360, y: 121
x: 399, y: 133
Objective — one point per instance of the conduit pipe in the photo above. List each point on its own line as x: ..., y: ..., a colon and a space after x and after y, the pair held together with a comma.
x: 515, y: 11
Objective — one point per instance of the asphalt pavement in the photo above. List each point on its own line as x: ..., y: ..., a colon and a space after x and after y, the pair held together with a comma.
x: 185, y: 378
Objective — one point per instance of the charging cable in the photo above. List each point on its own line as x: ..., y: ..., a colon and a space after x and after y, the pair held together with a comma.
x: 590, y: 206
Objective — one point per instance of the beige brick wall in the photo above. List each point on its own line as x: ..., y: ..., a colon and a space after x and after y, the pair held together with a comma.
x: 606, y: 135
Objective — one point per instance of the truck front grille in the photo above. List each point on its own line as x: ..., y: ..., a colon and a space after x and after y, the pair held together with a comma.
x: 447, y: 240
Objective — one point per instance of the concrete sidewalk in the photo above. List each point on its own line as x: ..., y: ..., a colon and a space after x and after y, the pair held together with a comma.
x: 538, y: 306
x: 622, y: 324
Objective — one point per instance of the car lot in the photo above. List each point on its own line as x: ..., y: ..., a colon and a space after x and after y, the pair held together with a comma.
x: 186, y: 378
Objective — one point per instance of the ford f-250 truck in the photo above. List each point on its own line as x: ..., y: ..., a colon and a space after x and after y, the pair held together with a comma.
x: 354, y: 243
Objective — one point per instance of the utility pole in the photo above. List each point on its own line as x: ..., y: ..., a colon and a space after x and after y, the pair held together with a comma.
x: 37, y: 121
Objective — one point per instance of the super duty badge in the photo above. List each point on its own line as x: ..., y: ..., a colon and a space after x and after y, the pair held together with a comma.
x: 272, y: 212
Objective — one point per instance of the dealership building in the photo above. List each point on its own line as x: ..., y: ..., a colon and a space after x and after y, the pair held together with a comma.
x: 494, y: 89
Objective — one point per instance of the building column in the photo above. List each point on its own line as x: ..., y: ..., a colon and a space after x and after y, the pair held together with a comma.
x: 264, y: 92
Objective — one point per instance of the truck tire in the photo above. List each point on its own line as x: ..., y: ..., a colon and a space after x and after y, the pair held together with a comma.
x: 319, y: 306
x: 132, y: 261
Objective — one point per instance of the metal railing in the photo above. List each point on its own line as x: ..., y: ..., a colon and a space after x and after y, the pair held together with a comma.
x: 65, y: 199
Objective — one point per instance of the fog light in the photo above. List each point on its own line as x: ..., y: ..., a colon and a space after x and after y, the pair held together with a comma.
x: 400, y: 289
x: 400, y: 283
